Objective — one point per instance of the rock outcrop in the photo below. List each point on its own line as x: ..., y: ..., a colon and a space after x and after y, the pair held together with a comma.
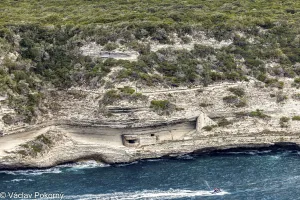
x: 202, y: 122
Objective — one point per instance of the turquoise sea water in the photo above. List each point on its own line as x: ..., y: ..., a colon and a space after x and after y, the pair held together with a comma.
x: 241, y: 175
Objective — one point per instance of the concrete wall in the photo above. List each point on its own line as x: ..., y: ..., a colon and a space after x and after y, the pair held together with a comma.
x: 146, y: 136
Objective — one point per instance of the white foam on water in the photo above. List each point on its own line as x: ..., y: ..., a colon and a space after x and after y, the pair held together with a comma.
x: 148, y: 195
x: 33, y: 172
x: 251, y: 152
x: 186, y: 157
x: 19, y: 180
x: 275, y: 157
x: 154, y: 160
x: 84, y: 165
x: 57, y: 170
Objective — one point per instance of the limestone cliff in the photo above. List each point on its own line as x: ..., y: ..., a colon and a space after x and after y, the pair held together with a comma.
x: 209, y: 118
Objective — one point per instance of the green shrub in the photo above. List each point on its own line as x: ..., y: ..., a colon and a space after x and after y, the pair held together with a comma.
x: 237, y: 91
x: 231, y: 99
x: 296, y: 118
x: 224, y: 122
x: 160, y: 104
x: 205, y: 104
x: 242, y: 103
x: 127, y: 90
x: 296, y: 96
x: 8, y: 119
x: 44, y: 139
x: 235, y: 101
x: 284, y: 122
x: 281, y: 97
x: 296, y: 82
x: 162, y: 107
x: 208, y: 128
x: 110, y: 97
x: 274, y: 83
x: 125, y: 93
x: 258, y: 113
x: 110, y: 46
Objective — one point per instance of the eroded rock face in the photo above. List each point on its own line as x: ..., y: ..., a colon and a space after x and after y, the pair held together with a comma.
x: 141, y: 133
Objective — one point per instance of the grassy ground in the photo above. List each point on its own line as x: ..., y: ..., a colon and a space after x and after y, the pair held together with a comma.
x: 203, y: 12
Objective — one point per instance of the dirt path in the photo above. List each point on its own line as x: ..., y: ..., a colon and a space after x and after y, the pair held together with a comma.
x: 9, y: 142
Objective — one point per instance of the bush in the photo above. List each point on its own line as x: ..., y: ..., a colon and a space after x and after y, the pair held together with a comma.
x: 296, y: 96
x: 162, y: 107
x: 224, y: 122
x: 235, y: 101
x: 296, y: 82
x: 125, y: 93
x: 296, y: 118
x: 160, y: 104
x: 258, y: 113
x: 205, y: 104
x: 208, y: 128
x: 284, y: 122
x: 237, y: 91
x: 110, y: 46
x: 280, y: 97
x: 8, y: 119
x: 110, y: 97
x: 127, y: 90
x: 231, y: 99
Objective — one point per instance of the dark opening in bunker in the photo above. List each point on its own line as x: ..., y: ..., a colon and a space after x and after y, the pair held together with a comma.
x: 152, y: 134
x: 131, y: 141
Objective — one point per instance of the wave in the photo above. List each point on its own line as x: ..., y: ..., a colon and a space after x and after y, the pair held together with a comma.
x: 148, y: 195
x: 19, y: 180
x: 84, y: 165
x: 33, y: 172
x: 248, y: 152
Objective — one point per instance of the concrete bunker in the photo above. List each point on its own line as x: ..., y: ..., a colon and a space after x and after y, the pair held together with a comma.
x: 139, y: 140
x: 131, y: 140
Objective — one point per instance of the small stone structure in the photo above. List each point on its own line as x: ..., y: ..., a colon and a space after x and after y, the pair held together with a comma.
x: 139, y: 140
x: 202, y: 121
x: 131, y: 140
x: 152, y: 138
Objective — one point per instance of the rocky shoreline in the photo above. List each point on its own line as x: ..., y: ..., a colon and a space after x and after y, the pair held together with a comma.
x: 72, y: 144
x: 251, y: 149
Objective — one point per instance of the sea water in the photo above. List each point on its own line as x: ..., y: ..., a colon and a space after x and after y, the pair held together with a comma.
x: 240, y: 175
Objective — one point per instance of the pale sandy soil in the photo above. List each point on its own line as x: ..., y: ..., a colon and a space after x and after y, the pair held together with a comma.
x: 9, y: 142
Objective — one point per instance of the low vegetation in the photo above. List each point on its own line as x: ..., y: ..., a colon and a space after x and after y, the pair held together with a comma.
x: 162, y: 107
x: 205, y: 104
x: 296, y: 82
x: 259, y: 114
x: 39, y: 145
x: 40, y: 42
x: 296, y: 118
x: 236, y: 101
x: 296, y: 96
x: 126, y: 93
x: 281, y: 97
x: 224, y: 122
x: 237, y: 91
x: 284, y: 122
x: 209, y: 128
